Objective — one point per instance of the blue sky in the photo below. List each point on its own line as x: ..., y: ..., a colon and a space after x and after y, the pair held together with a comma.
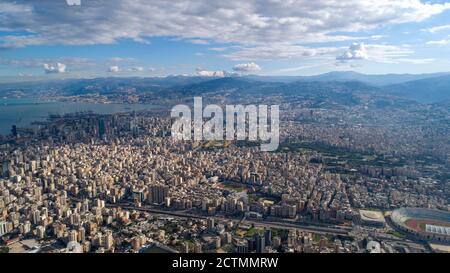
x: 50, y: 39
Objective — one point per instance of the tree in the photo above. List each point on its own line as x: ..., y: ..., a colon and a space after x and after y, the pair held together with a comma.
x: 4, y: 249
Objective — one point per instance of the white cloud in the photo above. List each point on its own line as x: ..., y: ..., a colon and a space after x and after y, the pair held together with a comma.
x: 137, y: 69
x: 59, y: 68
x: 375, y: 52
x: 299, y: 68
x: 265, y: 23
x: 199, y: 42
x: 377, y: 37
x: 247, y: 67
x: 121, y: 59
x: 208, y: 73
x: 278, y: 51
x: 416, y: 61
x: 73, y: 2
x: 355, y: 52
x: 73, y: 62
x: 439, y: 42
x: 437, y: 28
x: 218, y: 49
x: 24, y: 75
x: 114, y: 69
x: 388, y: 53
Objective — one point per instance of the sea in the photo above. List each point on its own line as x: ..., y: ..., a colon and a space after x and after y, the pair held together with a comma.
x: 22, y: 112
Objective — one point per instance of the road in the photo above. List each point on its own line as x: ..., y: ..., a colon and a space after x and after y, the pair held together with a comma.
x: 261, y: 223
x: 336, y: 230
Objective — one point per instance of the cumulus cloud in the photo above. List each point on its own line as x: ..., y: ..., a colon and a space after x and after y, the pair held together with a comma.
x: 59, y: 68
x: 376, y: 53
x: 246, y: 23
x: 209, y: 73
x: 114, y: 69
x: 73, y: 2
x: 246, y: 67
x: 356, y: 51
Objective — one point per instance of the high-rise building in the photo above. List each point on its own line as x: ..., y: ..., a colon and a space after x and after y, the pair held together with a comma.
x: 210, y: 223
x: 217, y: 242
x: 108, y: 240
x: 260, y: 243
x: 241, y: 248
x: 186, y: 247
x: 14, y: 131
x: 36, y: 217
x: 3, y: 230
x: 268, y: 236
x: 73, y: 236
x: 40, y: 231
x: 138, y: 195
x: 81, y: 234
x: 85, y: 206
x: 198, y: 247
x: 158, y: 194
x: 136, y: 243
x: 101, y: 128
x: 5, y: 168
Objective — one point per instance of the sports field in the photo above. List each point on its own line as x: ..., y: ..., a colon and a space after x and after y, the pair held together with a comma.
x: 419, y: 225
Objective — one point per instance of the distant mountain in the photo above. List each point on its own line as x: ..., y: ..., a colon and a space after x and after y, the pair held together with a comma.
x: 344, y: 93
x: 119, y: 85
x: 425, y: 88
x: 376, y: 80
x: 345, y: 76
x: 226, y: 85
x: 431, y: 90
x: 249, y: 86
x: 73, y: 87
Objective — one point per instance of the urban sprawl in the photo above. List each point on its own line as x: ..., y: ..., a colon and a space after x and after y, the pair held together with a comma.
x: 86, y: 182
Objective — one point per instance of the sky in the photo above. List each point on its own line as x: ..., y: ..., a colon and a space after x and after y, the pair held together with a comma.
x: 56, y: 39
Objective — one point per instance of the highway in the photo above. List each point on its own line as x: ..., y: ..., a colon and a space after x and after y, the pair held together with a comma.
x: 261, y: 223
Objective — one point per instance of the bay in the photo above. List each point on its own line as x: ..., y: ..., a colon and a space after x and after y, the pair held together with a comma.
x: 22, y: 112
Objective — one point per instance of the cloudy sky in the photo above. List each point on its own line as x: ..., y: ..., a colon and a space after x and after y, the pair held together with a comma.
x: 42, y: 39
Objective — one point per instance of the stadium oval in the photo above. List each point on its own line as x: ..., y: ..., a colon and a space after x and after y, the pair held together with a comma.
x: 423, y: 224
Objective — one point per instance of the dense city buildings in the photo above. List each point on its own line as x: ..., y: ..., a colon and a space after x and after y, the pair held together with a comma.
x: 120, y: 183
x: 244, y: 130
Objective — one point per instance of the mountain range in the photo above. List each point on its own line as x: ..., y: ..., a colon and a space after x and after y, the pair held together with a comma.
x: 423, y: 88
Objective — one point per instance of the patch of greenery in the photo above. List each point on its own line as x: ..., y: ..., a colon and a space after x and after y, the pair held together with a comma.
x: 171, y: 228
x: 234, y: 187
x: 4, y: 249
x: 397, y: 234
x: 253, y: 231
x: 282, y: 233
x: 335, y: 155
